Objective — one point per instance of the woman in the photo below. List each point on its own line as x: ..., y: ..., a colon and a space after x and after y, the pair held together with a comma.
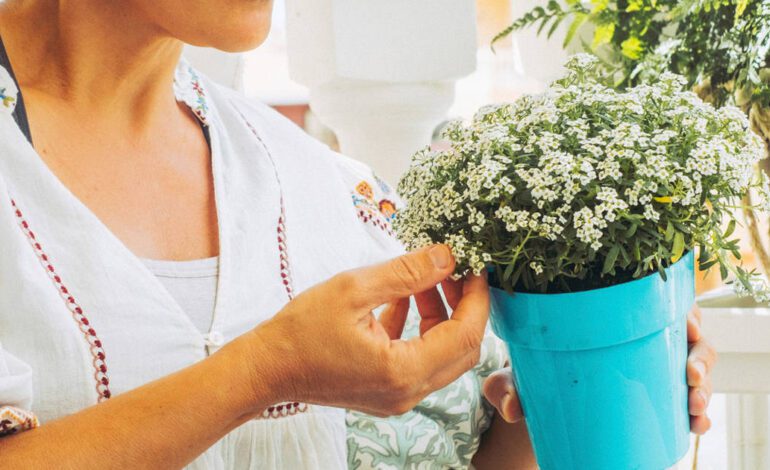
x: 154, y: 239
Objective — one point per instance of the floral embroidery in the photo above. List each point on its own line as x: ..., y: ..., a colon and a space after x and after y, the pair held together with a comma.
x: 365, y: 189
x: 8, y: 91
x: 188, y: 88
x: 8, y: 101
x: 13, y: 420
x: 201, y: 108
x: 388, y: 209
x: 384, y: 187
x: 380, y: 214
x: 369, y: 212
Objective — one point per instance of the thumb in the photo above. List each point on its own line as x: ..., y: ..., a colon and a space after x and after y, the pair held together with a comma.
x: 401, y: 277
x: 500, y: 392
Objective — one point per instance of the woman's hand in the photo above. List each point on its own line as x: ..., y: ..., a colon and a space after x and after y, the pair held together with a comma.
x: 499, y: 389
x: 327, y: 347
x: 699, y: 364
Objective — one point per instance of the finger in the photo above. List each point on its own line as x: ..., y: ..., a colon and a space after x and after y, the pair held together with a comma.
x: 700, y: 424
x: 698, y: 400
x: 497, y: 385
x: 432, y: 309
x: 510, y: 408
x: 699, y: 362
x: 500, y: 392
x: 451, y: 348
x: 453, y: 291
x: 693, y: 328
x: 401, y: 277
x: 473, y: 307
x: 394, y: 316
x: 696, y: 312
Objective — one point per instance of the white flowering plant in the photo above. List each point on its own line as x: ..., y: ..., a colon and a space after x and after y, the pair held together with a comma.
x: 585, y: 186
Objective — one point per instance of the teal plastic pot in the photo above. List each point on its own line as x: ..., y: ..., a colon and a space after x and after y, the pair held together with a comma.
x: 601, y: 373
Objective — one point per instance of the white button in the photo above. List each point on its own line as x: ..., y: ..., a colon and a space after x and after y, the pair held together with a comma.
x: 215, y: 338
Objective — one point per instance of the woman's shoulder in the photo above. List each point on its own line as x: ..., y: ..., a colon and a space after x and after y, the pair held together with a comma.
x: 268, y: 123
x: 313, y: 175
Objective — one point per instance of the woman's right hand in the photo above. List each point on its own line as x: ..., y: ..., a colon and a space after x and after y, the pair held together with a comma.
x: 326, y: 346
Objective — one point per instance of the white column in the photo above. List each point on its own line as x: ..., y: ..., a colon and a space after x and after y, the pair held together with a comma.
x: 381, y: 74
x: 739, y: 330
x: 537, y: 59
x: 747, y: 431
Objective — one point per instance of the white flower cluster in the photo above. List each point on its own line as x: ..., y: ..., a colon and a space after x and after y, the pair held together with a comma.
x: 553, y: 183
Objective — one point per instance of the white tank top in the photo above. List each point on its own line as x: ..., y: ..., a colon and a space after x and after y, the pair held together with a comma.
x: 193, y: 284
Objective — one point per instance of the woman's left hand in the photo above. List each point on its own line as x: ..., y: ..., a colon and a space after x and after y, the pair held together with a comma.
x: 499, y: 389
x: 699, y: 364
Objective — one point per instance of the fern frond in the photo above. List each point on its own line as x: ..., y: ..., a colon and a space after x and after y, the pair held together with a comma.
x: 541, y: 16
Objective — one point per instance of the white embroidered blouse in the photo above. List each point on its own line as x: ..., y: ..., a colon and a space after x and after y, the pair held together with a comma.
x: 83, y: 319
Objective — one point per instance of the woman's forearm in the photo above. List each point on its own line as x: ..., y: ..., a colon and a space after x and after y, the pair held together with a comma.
x: 505, y: 446
x: 324, y: 347
x: 166, y: 423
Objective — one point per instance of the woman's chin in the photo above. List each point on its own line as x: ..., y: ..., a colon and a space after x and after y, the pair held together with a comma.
x: 234, y: 40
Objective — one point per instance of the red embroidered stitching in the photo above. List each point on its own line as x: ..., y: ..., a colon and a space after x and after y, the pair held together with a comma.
x: 14, y: 420
x: 285, y: 269
x: 283, y: 410
x: 97, y: 351
x: 376, y: 221
x: 284, y: 255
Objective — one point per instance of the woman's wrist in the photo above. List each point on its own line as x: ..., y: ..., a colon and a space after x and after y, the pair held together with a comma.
x: 245, y: 365
x: 258, y: 363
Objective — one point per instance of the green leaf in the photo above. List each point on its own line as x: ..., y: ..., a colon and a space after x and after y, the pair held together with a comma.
x: 707, y: 265
x: 624, y: 255
x: 580, y: 18
x: 704, y: 255
x: 740, y: 8
x: 508, y: 271
x: 603, y: 34
x: 730, y: 229
x: 634, y: 5
x: 632, y: 48
x: 678, y: 249
x: 631, y: 230
x: 609, y: 261
x: 669, y: 232
x: 554, y: 26
x: 516, y: 275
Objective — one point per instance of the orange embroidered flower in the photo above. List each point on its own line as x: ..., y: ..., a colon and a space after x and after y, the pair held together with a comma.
x: 388, y: 208
x: 365, y: 190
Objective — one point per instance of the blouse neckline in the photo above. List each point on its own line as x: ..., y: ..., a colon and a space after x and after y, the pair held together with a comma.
x: 187, y: 85
x: 196, y: 268
x: 188, y: 89
x: 19, y: 112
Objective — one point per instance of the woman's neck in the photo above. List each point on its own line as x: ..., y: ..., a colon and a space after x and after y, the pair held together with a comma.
x: 99, y: 55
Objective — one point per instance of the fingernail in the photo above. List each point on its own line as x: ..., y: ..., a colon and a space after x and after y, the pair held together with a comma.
x: 505, y: 403
x: 701, y: 368
x: 439, y: 255
x: 704, y: 397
